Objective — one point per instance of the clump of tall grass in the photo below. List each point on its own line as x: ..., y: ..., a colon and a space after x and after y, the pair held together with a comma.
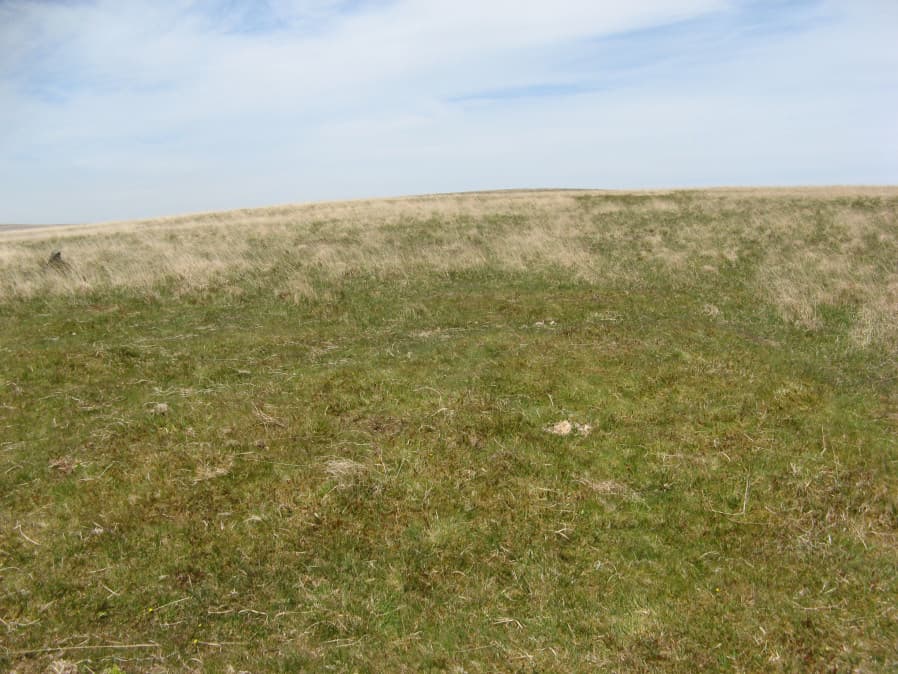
x: 800, y: 249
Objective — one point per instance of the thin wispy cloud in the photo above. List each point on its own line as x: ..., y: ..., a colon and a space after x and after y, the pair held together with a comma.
x: 118, y: 110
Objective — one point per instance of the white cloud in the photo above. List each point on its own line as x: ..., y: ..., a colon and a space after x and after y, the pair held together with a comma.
x: 124, y: 109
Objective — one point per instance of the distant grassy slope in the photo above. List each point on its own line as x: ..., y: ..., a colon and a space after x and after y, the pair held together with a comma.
x: 316, y: 436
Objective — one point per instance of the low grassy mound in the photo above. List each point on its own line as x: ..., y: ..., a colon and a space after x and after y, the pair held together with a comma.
x: 531, y: 431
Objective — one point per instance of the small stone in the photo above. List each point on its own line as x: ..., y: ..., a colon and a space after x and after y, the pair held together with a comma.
x: 563, y: 427
x: 56, y: 262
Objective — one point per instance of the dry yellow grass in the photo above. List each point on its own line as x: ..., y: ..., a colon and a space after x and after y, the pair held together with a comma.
x: 810, y: 247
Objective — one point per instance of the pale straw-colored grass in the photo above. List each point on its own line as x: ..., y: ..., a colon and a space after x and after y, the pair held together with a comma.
x: 803, y: 247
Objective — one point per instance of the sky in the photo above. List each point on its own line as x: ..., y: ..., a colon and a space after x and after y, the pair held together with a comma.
x: 116, y: 110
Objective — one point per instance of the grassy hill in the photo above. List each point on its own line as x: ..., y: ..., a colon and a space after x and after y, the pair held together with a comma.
x: 523, y: 431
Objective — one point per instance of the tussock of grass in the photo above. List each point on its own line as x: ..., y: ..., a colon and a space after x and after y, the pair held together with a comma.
x: 533, y: 431
x: 804, y: 249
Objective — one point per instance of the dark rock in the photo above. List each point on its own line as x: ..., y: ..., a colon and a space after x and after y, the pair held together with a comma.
x: 56, y: 262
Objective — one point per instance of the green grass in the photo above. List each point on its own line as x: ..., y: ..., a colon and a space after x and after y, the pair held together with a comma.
x: 364, y: 481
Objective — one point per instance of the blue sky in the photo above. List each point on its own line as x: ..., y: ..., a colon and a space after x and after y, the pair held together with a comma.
x: 115, y: 110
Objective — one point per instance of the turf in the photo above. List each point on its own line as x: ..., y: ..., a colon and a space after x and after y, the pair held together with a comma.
x: 365, y: 478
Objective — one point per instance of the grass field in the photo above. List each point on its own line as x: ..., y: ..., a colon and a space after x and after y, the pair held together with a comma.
x: 526, y: 431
